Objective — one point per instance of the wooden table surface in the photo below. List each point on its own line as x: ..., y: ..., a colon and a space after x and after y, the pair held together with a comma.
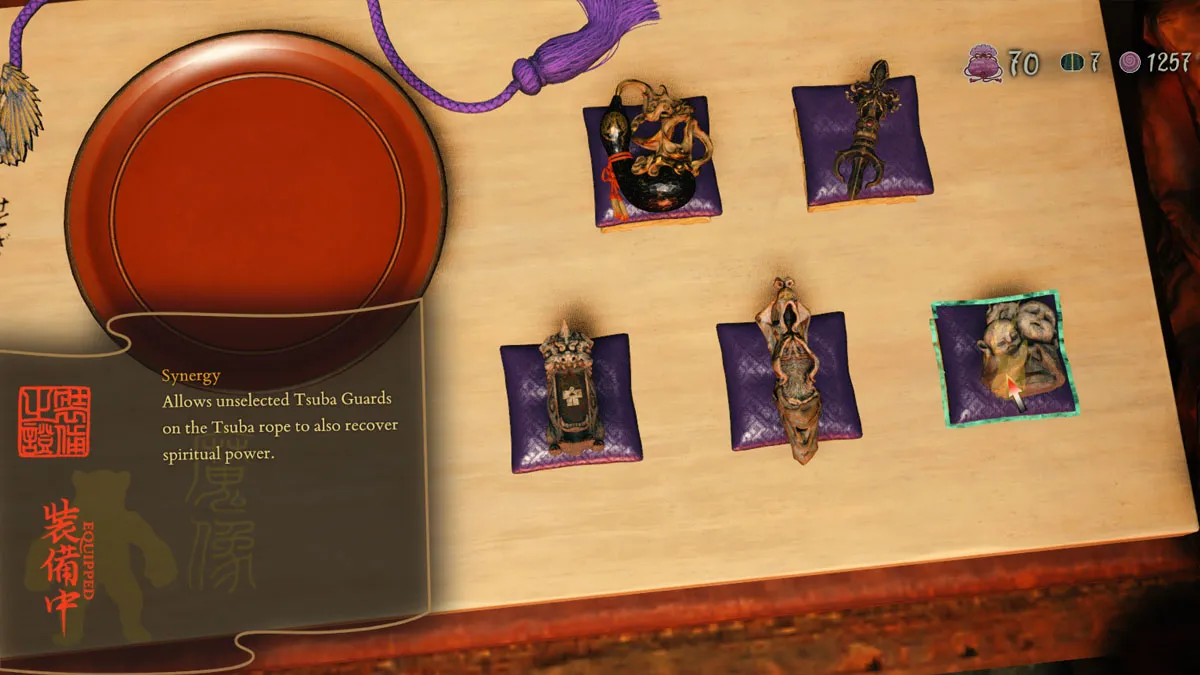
x: 1033, y: 192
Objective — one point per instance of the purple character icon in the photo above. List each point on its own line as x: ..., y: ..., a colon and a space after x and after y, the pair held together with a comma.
x: 983, y: 66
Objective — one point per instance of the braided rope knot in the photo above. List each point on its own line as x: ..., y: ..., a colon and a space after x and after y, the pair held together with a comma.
x: 528, y: 76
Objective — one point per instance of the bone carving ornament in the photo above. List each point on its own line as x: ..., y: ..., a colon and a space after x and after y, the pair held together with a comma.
x: 1020, y: 343
x: 784, y: 323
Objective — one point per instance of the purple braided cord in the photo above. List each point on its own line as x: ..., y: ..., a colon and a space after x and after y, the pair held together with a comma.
x: 417, y: 83
x: 18, y: 29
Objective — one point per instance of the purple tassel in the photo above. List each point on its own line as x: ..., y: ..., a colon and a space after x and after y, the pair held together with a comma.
x: 558, y: 59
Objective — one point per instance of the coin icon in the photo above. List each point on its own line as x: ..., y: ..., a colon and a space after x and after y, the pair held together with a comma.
x: 1071, y: 62
x: 1130, y: 62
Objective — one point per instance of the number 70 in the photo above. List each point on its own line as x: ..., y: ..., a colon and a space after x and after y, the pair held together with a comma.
x: 1029, y: 64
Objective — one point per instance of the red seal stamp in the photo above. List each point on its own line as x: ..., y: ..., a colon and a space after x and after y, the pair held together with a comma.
x: 54, y: 421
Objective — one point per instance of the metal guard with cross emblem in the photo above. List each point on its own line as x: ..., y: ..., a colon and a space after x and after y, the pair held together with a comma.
x: 575, y: 425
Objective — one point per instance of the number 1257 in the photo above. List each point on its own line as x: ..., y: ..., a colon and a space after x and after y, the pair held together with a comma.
x: 1168, y: 62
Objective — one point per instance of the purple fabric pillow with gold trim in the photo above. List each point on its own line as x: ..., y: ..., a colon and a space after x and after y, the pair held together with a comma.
x: 528, y: 419
x: 705, y: 204
x: 750, y: 382
x: 826, y: 121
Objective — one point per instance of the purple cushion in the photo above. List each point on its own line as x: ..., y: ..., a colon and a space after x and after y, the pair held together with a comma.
x: 827, y: 121
x: 956, y: 327
x: 705, y: 204
x: 528, y: 419
x: 753, y: 418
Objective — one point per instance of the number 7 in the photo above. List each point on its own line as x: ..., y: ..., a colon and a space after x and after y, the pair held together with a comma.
x: 1016, y: 56
x: 1095, y: 61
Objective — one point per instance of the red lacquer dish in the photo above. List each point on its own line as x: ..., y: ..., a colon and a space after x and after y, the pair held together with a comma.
x: 256, y: 173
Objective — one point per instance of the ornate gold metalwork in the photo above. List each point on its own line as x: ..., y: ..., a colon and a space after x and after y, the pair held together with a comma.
x: 671, y: 113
